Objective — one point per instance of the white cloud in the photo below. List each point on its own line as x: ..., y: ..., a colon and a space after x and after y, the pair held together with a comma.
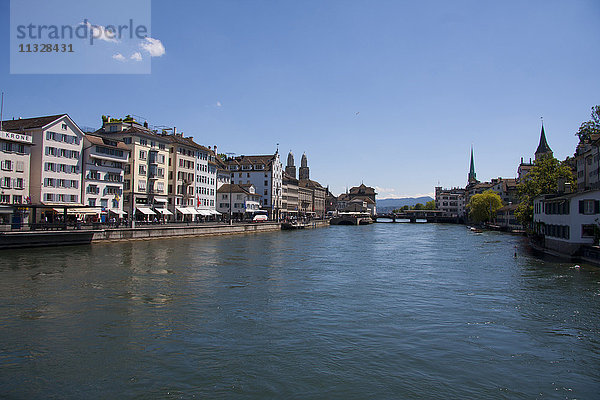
x: 100, y: 33
x: 137, y: 56
x: 118, y: 57
x: 154, y: 47
x: 219, y: 104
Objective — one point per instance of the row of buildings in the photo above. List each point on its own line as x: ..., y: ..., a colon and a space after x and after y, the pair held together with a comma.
x: 453, y: 202
x: 50, y: 167
x: 566, y: 222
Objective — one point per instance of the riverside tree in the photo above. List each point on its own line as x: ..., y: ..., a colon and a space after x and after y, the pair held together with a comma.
x: 590, y: 127
x: 543, y: 178
x: 482, y: 207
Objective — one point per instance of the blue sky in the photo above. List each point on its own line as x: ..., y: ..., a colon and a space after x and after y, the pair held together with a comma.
x: 390, y: 93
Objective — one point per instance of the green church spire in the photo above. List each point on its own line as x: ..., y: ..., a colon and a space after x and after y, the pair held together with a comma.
x: 472, y: 175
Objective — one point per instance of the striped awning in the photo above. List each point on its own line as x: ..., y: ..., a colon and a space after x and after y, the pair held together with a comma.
x: 145, y: 210
x: 164, y: 211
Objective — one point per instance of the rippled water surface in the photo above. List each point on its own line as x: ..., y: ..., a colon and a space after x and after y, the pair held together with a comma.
x: 380, y: 311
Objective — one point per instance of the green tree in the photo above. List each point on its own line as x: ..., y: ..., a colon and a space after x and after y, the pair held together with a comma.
x: 430, y: 205
x: 483, y: 206
x: 590, y: 127
x: 542, y: 178
x: 418, y: 206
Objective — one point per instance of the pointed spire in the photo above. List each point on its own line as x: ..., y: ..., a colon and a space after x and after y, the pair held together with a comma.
x: 543, y: 148
x: 472, y: 176
x: 472, y: 168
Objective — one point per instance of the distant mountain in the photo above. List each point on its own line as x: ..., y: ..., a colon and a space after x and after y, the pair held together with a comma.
x: 386, y: 205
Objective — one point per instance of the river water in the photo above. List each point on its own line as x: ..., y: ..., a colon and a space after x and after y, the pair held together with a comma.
x: 385, y: 311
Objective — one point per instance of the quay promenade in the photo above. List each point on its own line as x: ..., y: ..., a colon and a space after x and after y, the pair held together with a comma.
x: 21, y: 239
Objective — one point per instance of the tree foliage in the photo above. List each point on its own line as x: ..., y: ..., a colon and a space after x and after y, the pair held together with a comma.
x: 542, y: 178
x: 482, y: 207
x: 430, y: 205
x: 590, y: 127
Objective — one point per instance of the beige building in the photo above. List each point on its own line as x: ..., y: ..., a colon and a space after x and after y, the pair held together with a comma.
x: 305, y: 200
x: 289, y: 202
x: 146, y: 175
x: 182, y: 175
x: 318, y: 193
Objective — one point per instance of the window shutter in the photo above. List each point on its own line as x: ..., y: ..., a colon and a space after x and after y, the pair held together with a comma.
x: 580, y: 206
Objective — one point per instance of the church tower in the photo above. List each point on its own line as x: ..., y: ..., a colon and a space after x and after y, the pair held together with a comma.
x: 304, y: 171
x: 543, y: 149
x: 472, y: 176
x: 290, y: 169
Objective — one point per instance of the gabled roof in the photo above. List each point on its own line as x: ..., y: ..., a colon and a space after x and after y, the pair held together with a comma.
x: 187, y: 141
x: 344, y: 197
x: 101, y: 141
x: 235, y: 188
x: 30, y: 123
x: 266, y: 160
x: 362, y: 189
x: 310, y: 184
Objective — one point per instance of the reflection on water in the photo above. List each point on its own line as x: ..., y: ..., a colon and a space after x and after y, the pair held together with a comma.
x: 380, y: 311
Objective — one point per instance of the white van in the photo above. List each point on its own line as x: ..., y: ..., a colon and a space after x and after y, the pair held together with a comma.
x: 260, y: 218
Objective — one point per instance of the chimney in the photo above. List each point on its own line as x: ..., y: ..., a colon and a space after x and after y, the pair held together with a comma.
x: 215, y: 149
x: 174, y: 131
x: 568, y: 188
x: 145, y: 124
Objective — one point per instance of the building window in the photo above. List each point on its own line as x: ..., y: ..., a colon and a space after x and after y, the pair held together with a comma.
x: 587, y: 230
x: 589, y: 207
x: 7, y: 165
x: 142, y: 154
x: 5, y: 198
x: 5, y: 183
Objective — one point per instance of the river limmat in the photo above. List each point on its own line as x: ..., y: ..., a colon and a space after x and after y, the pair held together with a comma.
x: 377, y: 311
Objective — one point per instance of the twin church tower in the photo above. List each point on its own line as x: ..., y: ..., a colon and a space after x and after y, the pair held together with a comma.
x: 290, y: 169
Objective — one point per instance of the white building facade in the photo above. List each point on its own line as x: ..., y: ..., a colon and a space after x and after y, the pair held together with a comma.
x: 567, y: 221
x: 242, y: 200
x: 104, y: 160
x: 452, y: 202
x: 265, y: 173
